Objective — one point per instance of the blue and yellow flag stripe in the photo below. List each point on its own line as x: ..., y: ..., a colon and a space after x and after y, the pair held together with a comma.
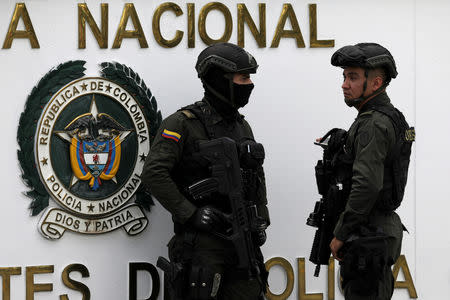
x: 171, y: 135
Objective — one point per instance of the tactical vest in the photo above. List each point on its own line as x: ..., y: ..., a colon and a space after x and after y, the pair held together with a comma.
x: 237, y: 132
x: 397, y: 163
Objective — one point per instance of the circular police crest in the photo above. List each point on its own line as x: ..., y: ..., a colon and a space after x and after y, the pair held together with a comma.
x: 90, y: 143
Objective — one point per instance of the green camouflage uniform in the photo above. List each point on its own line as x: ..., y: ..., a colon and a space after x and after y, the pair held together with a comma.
x: 370, y: 141
x: 170, y: 168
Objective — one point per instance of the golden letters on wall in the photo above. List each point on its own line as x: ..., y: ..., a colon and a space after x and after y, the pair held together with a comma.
x: 99, y: 26
x: 401, y: 263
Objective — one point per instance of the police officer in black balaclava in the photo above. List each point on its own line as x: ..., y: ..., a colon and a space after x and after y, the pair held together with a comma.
x: 224, y: 70
x: 209, y: 262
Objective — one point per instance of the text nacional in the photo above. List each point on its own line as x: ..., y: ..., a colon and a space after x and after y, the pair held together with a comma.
x: 99, y: 26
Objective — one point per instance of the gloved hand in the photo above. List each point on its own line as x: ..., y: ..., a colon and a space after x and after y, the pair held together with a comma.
x: 259, y: 231
x: 251, y: 155
x: 209, y: 219
x: 259, y: 237
x: 337, y: 139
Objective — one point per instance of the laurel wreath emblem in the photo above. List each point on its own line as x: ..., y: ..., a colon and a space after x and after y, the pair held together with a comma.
x: 41, y: 94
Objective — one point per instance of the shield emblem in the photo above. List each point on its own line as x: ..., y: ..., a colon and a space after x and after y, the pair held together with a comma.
x: 96, y: 155
x: 95, y: 160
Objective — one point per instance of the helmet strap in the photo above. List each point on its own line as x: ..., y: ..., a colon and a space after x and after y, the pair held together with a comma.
x: 357, y: 101
x: 229, y: 76
x: 366, y: 75
x: 361, y: 100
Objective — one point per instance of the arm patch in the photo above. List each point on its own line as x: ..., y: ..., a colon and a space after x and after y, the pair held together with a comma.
x: 171, y: 135
x: 364, y: 138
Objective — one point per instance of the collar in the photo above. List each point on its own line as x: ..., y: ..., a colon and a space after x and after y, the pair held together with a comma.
x: 379, y: 100
x: 216, y: 117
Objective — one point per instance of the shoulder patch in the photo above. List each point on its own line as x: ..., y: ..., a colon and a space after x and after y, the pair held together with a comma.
x: 188, y: 114
x: 364, y: 138
x: 171, y: 135
x: 410, y: 134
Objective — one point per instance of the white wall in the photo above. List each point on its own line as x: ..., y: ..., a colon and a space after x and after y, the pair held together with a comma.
x: 432, y: 108
x: 296, y: 99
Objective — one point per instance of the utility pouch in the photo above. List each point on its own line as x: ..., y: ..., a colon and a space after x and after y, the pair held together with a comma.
x: 321, y: 178
x: 337, y: 199
x: 365, y: 261
x: 174, y: 277
x: 336, y: 204
x: 203, y: 284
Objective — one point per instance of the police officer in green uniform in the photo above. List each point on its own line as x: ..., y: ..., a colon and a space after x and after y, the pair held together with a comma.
x: 173, y: 165
x: 378, y: 178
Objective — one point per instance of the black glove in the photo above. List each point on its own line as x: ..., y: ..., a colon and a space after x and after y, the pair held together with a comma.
x: 337, y: 139
x: 209, y: 219
x: 259, y: 237
x: 259, y: 231
x: 251, y: 155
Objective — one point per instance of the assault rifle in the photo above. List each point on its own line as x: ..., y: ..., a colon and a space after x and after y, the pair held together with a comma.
x: 333, y: 177
x: 226, y: 179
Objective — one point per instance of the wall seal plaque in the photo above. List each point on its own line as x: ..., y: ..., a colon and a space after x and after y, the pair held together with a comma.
x: 83, y: 142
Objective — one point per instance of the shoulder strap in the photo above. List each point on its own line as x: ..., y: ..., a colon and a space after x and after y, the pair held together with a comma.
x: 201, y: 111
x: 399, y: 123
x: 401, y: 127
x: 188, y: 114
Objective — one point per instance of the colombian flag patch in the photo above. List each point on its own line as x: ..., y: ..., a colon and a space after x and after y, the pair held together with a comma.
x: 171, y: 135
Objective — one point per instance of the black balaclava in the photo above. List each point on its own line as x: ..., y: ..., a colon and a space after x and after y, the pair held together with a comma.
x: 242, y: 93
x: 223, y: 94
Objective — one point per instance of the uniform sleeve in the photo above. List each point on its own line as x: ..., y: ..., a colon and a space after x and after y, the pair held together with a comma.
x: 165, y: 153
x: 372, y: 143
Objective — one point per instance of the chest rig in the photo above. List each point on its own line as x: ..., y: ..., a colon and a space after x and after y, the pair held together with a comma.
x: 251, y: 154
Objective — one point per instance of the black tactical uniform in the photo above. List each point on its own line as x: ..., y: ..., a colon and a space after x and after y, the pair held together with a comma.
x: 370, y: 228
x: 209, y: 262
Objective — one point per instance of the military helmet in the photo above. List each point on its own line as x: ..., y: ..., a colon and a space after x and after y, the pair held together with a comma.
x: 367, y: 56
x: 226, y: 56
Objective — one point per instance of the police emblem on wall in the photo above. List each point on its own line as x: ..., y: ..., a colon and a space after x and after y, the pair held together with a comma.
x: 83, y: 142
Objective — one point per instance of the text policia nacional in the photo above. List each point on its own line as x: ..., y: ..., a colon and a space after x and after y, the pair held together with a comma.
x: 253, y: 17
